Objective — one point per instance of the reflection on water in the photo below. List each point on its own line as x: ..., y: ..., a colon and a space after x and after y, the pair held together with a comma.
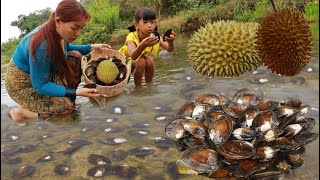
x: 145, y: 113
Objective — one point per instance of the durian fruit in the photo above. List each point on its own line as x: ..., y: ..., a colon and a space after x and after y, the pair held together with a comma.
x: 285, y: 42
x: 224, y: 48
x: 107, y: 71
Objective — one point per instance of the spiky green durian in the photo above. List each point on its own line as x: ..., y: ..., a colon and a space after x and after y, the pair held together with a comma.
x: 224, y: 48
x: 284, y: 42
x: 107, y: 71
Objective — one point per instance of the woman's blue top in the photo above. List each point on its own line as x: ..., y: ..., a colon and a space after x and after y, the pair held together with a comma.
x: 40, y: 70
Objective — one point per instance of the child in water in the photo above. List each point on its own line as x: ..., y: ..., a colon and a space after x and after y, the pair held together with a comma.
x: 143, y: 40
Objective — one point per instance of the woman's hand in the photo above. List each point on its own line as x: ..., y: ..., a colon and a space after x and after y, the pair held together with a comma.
x: 99, y: 47
x: 87, y: 92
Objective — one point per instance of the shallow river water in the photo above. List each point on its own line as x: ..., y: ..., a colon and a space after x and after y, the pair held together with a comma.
x: 147, y: 110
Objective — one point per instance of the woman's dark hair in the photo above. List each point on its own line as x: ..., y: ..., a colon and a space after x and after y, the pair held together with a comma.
x: 144, y: 13
x: 67, y: 10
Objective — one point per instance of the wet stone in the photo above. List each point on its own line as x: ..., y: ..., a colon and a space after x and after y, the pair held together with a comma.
x: 164, y: 117
x: 298, y: 80
x: 87, y: 128
x: 79, y: 142
x: 163, y: 109
x: 259, y: 81
x: 44, y: 136
x: 42, y: 126
x: 141, y: 125
x: 112, y: 129
x: 117, y: 109
x: 118, y: 154
x: 109, y: 120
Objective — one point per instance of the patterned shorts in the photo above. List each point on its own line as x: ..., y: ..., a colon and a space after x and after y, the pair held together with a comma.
x: 19, y: 87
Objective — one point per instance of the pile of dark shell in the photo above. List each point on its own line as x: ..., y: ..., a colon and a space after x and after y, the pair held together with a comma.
x: 246, y: 137
x: 91, y: 69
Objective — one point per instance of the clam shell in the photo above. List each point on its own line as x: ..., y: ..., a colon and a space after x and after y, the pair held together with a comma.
x: 23, y: 171
x: 99, y: 170
x: 237, y: 149
x: 201, y: 159
x: 221, y: 129
x: 124, y: 171
x: 61, y: 169
x: 97, y: 159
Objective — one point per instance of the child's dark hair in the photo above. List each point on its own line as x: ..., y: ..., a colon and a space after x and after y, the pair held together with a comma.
x: 145, y: 14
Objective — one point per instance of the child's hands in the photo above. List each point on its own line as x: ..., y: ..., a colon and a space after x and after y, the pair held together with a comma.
x: 172, y: 37
x: 150, y: 41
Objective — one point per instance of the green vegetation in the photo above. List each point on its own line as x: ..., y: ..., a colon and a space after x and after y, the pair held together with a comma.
x: 110, y: 18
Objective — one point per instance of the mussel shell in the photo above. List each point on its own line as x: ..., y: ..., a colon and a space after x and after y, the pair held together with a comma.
x: 8, y: 150
x: 201, y: 159
x: 190, y: 141
x: 265, y: 153
x: 11, y: 159
x: 194, y: 127
x: 295, y: 159
x: 23, y: 172
x: 124, y: 171
x: 61, y: 169
x: 268, y: 174
x: 290, y: 101
x: 292, y: 129
x: 211, y: 99
x: 264, y: 121
x: 90, y: 70
x: 305, y: 137
x: 141, y: 151
x: 222, y: 172
x: 221, y: 129
x: 281, y: 111
x: 284, y: 167
x: 28, y: 148
x: 284, y: 144
x: 270, y: 135
x: 267, y: 105
x: 246, y: 117
x: 199, y: 111
x: 113, y: 141
x: 175, y: 130
x: 99, y: 170
x: 45, y: 158
x: 245, y: 168
x: 244, y: 133
x: 233, y: 109
x: 138, y: 132
x: 96, y: 159
x: 237, y: 149
x: 186, y: 110
x: 167, y: 34
x: 246, y: 96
